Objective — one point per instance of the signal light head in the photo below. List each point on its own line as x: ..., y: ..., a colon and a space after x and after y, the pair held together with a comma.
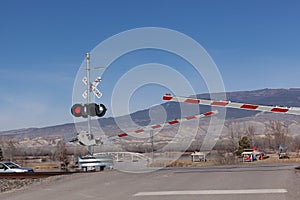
x: 77, y: 110
x: 101, y: 110
x: 92, y: 109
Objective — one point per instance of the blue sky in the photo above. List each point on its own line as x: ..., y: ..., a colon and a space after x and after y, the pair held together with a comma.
x: 255, y: 45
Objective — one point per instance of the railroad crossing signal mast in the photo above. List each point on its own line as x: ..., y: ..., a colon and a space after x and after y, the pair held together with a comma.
x: 88, y: 73
x: 89, y: 109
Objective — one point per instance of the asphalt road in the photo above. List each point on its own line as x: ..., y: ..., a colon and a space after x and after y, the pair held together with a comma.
x: 272, y: 182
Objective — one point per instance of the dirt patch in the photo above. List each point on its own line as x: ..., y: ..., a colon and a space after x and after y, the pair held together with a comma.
x: 221, y: 161
x: 14, y: 184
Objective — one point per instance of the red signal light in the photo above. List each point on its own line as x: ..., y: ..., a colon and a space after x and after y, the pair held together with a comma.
x: 77, y: 110
x: 92, y: 109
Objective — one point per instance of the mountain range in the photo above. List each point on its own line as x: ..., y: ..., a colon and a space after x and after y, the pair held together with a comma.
x: 281, y: 97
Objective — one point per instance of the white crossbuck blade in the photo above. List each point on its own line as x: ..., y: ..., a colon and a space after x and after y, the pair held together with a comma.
x: 93, y: 87
x: 95, y: 83
x: 158, y: 126
x: 229, y: 104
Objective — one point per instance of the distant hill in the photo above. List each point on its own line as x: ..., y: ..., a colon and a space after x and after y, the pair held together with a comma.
x: 286, y: 97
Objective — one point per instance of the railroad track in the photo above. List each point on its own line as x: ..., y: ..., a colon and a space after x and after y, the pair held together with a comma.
x: 35, y: 175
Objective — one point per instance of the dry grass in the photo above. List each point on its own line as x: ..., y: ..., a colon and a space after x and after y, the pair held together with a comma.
x: 184, y: 163
x: 221, y: 161
x: 44, y: 166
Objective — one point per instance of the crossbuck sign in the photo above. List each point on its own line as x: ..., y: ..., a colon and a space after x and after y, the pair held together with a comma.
x: 93, y: 87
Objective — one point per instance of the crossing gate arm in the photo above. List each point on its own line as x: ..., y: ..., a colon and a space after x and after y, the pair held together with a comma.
x: 229, y: 104
x: 158, y: 126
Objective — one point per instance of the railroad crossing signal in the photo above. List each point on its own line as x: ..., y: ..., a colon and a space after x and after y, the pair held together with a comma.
x: 92, y: 109
x: 77, y: 110
x: 93, y: 87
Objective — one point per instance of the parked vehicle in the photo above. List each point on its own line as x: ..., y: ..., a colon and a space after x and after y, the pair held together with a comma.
x: 283, y: 155
x: 91, y: 163
x: 9, y: 166
x: 250, y: 155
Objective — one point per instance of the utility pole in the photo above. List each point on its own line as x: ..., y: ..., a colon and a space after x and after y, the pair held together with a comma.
x: 152, y: 146
x: 87, y: 56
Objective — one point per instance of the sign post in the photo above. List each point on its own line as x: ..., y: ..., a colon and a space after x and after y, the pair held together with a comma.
x: 91, y: 87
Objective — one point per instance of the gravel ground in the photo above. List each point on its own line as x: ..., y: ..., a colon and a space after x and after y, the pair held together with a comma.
x: 13, y: 184
x: 10, y: 185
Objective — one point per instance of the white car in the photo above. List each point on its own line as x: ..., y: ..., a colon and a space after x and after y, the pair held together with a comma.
x: 9, y: 166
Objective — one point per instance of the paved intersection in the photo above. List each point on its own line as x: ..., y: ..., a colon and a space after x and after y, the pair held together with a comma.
x: 272, y: 182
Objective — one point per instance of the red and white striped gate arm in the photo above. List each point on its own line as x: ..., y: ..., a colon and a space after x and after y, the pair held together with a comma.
x: 229, y: 104
x: 169, y: 123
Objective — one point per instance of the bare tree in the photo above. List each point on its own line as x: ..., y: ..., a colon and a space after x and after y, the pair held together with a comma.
x: 235, y: 134
x: 60, y: 153
x: 250, y: 133
x: 10, y: 150
x: 295, y: 144
x: 276, y: 133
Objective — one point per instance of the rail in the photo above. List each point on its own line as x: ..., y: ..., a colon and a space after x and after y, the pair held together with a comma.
x: 32, y: 175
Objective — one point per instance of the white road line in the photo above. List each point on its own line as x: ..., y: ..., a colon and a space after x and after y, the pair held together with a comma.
x: 212, y: 192
x: 86, y: 196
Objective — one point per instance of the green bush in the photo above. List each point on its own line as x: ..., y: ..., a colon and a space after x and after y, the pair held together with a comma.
x: 244, y: 143
x: 1, y: 154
